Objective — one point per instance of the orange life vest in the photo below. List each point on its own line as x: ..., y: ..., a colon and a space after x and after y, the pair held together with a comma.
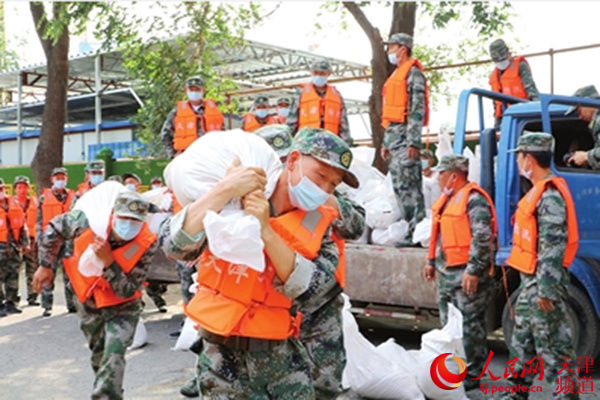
x: 523, y: 256
x: 82, y: 188
x: 251, y: 123
x: 28, y: 216
x: 236, y: 300
x: 450, y: 217
x: 13, y: 218
x: 186, y: 122
x: 52, y: 207
x: 508, y: 82
x: 126, y: 256
x: 315, y: 111
x: 176, y: 206
x: 395, y: 106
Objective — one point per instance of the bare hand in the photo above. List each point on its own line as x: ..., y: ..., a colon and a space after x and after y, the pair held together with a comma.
x: 579, y: 158
x: 103, y: 251
x: 385, y: 153
x: 544, y: 304
x: 469, y: 283
x: 429, y: 273
x: 42, y: 278
x: 243, y: 180
x: 412, y: 152
x: 257, y: 204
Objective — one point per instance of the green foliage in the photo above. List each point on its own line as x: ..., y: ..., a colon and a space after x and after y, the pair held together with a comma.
x: 8, y: 58
x: 72, y: 15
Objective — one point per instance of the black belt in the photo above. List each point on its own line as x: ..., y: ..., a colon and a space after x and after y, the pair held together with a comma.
x: 240, y: 342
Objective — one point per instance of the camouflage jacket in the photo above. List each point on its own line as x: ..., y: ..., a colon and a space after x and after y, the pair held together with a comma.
x: 12, y: 247
x: 528, y: 84
x: 72, y: 224
x: 351, y: 223
x: 594, y: 154
x: 416, y: 83
x: 292, y: 119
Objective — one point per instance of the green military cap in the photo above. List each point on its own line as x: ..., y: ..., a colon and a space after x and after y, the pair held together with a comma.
x: 156, y: 179
x: 260, y: 100
x: 284, y: 100
x: 586, y: 91
x: 279, y: 137
x: 95, y: 165
x: 426, y: 153
x: 328, y: 148
x: 116, y: 178
x: 453, y: 162
x: 59, y: 170
x: 21, y: 179
x: 402, y: 39
x: 131, y: 175
x: 131, y: 204
x: 534, y: 142
x: 194, y: 81
x: 2, y: 183
x: 321, y: 65
x: 498, y: 50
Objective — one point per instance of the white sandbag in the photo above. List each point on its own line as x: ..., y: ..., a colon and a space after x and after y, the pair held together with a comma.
x: 392, y: 235
x: 381, y: 213
x: 140, y: 337
x: 154, y: 220
x: 89, y: 263
x: 187, y: 337
x: 436, y: 342
x: 444, y: 146
x: 194, y: 287
x: 474, y: 164
x: 431, y: 192
x: 97, y: 205
x: 422, y: 232
x: 158, y: 197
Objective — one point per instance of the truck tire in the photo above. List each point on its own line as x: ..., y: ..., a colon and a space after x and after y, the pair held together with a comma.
x: 581, y: 318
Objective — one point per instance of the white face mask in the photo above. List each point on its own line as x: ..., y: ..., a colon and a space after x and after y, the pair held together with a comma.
x: 283, y: 111
x: 194, y: 95
x: 154, y: 187
x: 502, y: 65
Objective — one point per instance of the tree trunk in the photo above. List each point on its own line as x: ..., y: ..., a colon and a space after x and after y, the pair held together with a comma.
x: 49, y: 151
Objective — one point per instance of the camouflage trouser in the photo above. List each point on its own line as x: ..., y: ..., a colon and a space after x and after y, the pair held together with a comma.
x: 48, y: 291
x: 280, y: 373
x: 30, y: 259
x: 545, y: 335
x: 185, y: 276
x: 473, y: 309
x: 155, y: 290
x: 109, y: 331
x: 322, y: 336
x: 407, y: 179
x: 9, y: 278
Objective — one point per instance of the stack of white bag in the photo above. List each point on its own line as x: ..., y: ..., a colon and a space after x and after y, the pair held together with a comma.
x: 188, y: 334
x: 162, y: 199
x: 232, y: 235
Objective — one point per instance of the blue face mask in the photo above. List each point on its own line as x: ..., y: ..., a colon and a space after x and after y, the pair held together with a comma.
x: 59, y: 184
x: 194, y: 95
x: 393, y: 59
x: 261, y: 112
x: 96, y: 179
x: 424, y: 164
x: 283, y: 111
x: 126, y: 229
x: 306, y: 195
x: 131, y: 187
x: 319, y: 80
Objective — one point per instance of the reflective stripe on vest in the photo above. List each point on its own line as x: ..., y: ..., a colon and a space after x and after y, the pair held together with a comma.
x: 13, y: 218
x: 186, y: 122
x: 523, y: 256
x: 315, y: 111
x: 451, y: 219
x: 396, y: 97
x: 126, y: 257
x: 509, y: 82
x: 251, y: 123
x: 53, y: 207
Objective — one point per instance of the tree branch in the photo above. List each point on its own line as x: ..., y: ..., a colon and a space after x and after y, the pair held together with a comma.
x: 362, y: 20
x: 40, y: 22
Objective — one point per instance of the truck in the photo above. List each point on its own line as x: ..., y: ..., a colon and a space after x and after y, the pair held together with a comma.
x: 385, y: 283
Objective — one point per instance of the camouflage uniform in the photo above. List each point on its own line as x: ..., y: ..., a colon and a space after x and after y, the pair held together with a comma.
x: 108, y: 330
x: 537, y: 333
x: 185, y: 278
x: 593, y: 155
x: 155, y: 290
x: 449, y: 279
x: 263, y: 121
x: 292, y: 118
x: 406, y: 173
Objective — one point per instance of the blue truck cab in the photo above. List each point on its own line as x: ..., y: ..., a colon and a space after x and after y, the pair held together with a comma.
x: 500, y: 178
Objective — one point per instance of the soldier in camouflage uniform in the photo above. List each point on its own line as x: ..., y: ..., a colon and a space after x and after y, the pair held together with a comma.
x: 591, y: 115
x: 10, y: 258
x: 282, y: 372
x: 501, y: 55
x: 321, y: 330
x: 468, y: 286
x: 541, y: 322
x: 109, y: 330
x: 402, y: 136
x: 320, y: 70
x: 97, y: 173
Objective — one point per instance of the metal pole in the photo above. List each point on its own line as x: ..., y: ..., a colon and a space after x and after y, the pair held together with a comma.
x: 551, y: 52
x: 19, y: 118
x: 98, y: 101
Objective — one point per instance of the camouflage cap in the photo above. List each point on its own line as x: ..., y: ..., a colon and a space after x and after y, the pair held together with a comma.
x: 426, y: 153
x: 534, y: 141
x: 21, y: 179
x: 498, y: 50
x: 453, y: 162
x: 321, y: 65
x: 284, y: 100
x: 156, y: 179
x: 131, y: 175
x: 328, y: 148
x: 588, y: 91
x: 278, y: 136
x: 194, y: 81
x: 59, y: 170
x: 260, y: 100
x: 116, y: 178
x: 402, y: 39
x: 95, y: 165
x: 131, y: 204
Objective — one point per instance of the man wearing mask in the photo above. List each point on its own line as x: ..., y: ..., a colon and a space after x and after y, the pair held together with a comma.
x: 511, y: 76
x: 320, y: 105
x: 28, y: 206
x: 95, y: 174
x: 283, y: 110
x: 592, y: 116
x: 259, y: 116
x: 464, y: 214
x: 132, y: 181
x: 405, y: 110
x: 156, y: 183
x: 265, y: 360
x: 14, y: 238
x: 55, y: 201
x: 545, y: 241
x: 190, y: 119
